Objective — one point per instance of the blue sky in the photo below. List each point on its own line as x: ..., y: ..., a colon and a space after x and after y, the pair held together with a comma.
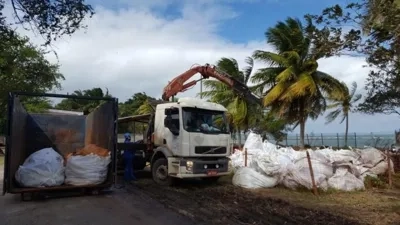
x: 139, y: 45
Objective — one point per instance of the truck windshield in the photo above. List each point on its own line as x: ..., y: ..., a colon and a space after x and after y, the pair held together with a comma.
x: 205, y: 121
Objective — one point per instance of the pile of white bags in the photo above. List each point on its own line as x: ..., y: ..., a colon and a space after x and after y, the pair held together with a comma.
x: 44, y: 168
x: 86, y: 170
x: 269, y: 165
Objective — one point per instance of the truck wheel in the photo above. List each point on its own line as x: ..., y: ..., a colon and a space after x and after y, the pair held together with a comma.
x: 159, y: 171
x: 210, y: 180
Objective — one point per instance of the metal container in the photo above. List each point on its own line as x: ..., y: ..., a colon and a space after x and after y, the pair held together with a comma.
x: 30, y: 132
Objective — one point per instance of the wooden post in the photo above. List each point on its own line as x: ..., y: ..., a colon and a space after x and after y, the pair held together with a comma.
x: 312, y: 174
x: 245, y: 157
x: 389, y: 168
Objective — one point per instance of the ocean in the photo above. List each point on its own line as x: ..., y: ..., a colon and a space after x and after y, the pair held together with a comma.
x: 380, y: 140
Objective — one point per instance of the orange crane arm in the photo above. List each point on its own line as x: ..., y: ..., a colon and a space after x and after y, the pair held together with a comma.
x: 178, y: 83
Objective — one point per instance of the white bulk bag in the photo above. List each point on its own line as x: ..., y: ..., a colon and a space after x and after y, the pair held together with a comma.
x: 44, y: 168
x: 86, y: 170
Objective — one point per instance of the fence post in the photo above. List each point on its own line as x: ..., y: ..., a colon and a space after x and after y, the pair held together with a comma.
x: 286, y: 140
x: 389, y: 168
x: 337, y: 138
x: 297, y: 140
x: 322, y: 139
x: 245, y: 157
x: 308, y: 140
x: 315, y: 190
x: 355, y: 139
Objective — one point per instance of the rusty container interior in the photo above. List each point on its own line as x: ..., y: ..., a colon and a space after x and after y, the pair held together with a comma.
x: 30, y: 132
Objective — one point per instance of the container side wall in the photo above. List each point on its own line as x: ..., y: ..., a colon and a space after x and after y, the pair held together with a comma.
x: 17, y: 145
x: 100, y: 126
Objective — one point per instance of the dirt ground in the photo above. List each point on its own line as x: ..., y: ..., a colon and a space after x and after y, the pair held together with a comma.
x: 194, y: 202
x: 276, y: 206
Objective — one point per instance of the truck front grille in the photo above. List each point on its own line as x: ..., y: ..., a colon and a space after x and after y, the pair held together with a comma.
x: 203, y: 149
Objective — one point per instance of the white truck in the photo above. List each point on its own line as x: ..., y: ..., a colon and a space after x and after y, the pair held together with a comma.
x: 189, y: 138
x: 185, y: 139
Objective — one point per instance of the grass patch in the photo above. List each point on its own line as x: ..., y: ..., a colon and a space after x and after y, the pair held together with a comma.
x: 376, y: 206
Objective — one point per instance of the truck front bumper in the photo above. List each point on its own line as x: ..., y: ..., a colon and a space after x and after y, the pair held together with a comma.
x: 197, y: 168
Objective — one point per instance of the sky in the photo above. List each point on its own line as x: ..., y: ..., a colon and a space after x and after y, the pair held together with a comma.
x: 139, y: 45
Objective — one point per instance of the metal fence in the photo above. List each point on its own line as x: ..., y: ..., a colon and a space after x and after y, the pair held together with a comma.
x: 336, y: 140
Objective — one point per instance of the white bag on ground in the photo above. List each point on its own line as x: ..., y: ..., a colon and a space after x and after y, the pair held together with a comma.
x: 249, y: 178
x: 345, y: 181
x: 86, y: 170
x: 44, y: 168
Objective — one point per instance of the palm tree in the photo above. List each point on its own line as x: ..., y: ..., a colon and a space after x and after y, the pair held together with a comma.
x: 344, y: 106
x: 145, y: 108
x: 240, y: 111
x: 296, y: 88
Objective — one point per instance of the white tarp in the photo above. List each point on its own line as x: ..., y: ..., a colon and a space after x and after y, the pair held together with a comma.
x: 43, y: 168
x: 269, y: 165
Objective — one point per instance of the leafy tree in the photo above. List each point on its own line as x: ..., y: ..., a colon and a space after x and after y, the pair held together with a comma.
x: 299, y: 88
x: 343, y: 107
x: 23, y: 67
x: 86, y: 106
x: 51, y: 19
x: 37, y: 105
x: 368, y: 28
x: 136, y: 105
x: 131, y: 106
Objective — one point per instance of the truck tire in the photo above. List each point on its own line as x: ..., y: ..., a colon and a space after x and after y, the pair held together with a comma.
x: 159, y: 171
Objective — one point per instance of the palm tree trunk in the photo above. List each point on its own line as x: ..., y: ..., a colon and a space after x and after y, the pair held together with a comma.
x: 302, y: 122
x: 347, y: 130
x: 302, y: 131
x: 240, y: 138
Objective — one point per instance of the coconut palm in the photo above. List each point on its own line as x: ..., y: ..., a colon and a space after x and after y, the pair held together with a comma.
x: 298, y: 89
x: 240, y: 111
x: 343, y: 107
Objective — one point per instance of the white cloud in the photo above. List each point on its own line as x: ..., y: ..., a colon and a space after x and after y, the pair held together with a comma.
x: 133, y: 49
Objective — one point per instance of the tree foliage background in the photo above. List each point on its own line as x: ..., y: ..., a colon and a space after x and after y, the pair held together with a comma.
x: 368, y: 28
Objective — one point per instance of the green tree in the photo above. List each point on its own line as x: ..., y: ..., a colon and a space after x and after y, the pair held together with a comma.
x: 370, y: 29
x: 50, y: 19
x: 298, y: 93
x: 23, y: 67
x: 343, y: 107
x: 240, y: 110
x: 131, y: 106
x: 37, y: 105
x: 83, y: 105
x: 136, y: 105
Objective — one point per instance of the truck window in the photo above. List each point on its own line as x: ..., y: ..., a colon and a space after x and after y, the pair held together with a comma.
x: 175, y: 117
x: 206, y: 121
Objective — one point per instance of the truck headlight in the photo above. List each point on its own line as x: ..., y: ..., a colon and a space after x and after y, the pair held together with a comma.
x: 189, y: 165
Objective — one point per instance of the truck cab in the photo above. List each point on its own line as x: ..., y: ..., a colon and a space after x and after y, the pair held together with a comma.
x: 191, y: 139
